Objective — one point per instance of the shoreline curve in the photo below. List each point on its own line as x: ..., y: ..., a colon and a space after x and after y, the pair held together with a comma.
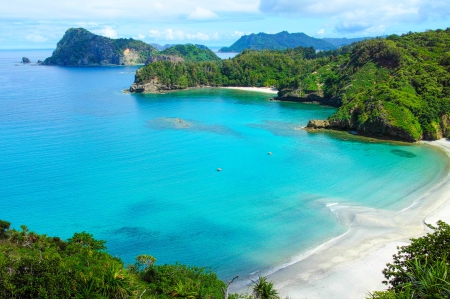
x: 349, y: 266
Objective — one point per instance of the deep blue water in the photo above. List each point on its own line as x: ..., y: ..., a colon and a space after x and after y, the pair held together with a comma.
x: 76, y: 153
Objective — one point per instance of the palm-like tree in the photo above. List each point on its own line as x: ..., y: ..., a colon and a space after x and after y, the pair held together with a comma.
x: 263, y: 289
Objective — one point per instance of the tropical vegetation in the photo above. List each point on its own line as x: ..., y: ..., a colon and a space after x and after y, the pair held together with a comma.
x: 420, y: 270
x: 36, y: 266
x: 191, y: 53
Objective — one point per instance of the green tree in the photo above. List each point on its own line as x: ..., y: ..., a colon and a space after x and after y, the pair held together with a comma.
x: 263, y: 289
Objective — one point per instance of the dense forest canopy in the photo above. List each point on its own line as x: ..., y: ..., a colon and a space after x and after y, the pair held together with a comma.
x: 191, y: 53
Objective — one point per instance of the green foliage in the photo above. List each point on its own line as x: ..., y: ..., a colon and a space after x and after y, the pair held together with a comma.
x: 263, y: 289
x: 405, y: 77
x: 250, y: 68
x: 81, y: 47
x: 181, y: 281
x: 40, y: 267
x: 280, y: 41
x: 420, y: 270
x: 4, y: 227
x: 191, y: 53
x: 423, y: 280
x: 428, y: 249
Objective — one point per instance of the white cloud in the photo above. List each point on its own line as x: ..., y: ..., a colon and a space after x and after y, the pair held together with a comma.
x: 36, y: 38
x: 321, y: 32
x: 180, y: 35
x: 361, y: 16
x: 107, y: 31
x: 237, y: 34
x: 201, y: 13
x: 99, y: 10
x: 140, y: 36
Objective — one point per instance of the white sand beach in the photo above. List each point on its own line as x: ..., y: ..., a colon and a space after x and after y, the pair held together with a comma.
x: 350, y: 266
x: 257, y: 89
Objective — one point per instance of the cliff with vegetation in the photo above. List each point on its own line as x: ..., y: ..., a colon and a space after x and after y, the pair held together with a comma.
x: 79, y: 47
x: 280, y: 41
x: 396, y: 87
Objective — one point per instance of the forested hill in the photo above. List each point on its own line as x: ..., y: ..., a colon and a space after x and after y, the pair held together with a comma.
x: 81, y: 47
x: 279, y: 41
x: 191, y: 53
x: 397, y: 87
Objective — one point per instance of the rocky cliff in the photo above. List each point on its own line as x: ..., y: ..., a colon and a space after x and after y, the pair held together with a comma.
x: 79, y: 47
x: 153, y: 86
x: 307, y: 96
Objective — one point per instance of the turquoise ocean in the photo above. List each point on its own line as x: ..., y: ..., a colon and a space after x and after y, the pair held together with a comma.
x: 140, y: 171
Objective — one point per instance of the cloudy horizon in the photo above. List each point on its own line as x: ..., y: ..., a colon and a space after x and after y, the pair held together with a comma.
x: 28, y: 25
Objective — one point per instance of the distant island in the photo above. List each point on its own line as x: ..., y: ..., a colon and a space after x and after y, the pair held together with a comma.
x: 285, y: 40
x: 79, y: 47
x: 396, y: 87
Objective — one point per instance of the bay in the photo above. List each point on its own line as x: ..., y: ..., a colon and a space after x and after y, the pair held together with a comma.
x: 140, y: 171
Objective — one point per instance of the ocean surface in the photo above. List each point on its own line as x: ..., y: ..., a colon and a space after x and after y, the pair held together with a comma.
x: 140, y: 171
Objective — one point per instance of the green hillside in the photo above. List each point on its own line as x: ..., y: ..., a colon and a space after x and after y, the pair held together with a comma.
x: 81, y: 47
x: 250, y: 68
x: 191, y: 53
x: 397, y: 87
x: 279, y: 41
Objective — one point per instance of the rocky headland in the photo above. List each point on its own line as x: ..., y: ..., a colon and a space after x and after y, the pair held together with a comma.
x: 307, y: 97
x: 79, y: 47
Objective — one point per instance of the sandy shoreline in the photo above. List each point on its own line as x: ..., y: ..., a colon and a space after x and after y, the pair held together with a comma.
x: 257, y: 89
x: 350, y: 266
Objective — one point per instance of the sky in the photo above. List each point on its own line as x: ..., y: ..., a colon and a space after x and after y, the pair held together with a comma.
x: 40, y: 24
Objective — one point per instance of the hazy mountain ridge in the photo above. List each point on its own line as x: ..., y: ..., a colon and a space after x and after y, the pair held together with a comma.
x: 279, y: 41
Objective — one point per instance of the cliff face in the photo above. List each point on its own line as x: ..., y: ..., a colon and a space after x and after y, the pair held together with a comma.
x: 376, y: 127
x: 79, y: 47
x: 153, y: 86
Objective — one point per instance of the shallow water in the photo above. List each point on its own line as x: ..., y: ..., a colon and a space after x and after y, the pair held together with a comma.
x: 140, y: 171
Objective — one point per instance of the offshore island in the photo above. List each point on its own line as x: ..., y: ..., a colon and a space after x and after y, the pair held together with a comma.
x: 396, y: 87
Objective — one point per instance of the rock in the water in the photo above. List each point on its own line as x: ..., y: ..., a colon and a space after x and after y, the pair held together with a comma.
x: 25, y: 60
x: 153, y: 86
x: 219, y: 169
x: 318, y: 124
